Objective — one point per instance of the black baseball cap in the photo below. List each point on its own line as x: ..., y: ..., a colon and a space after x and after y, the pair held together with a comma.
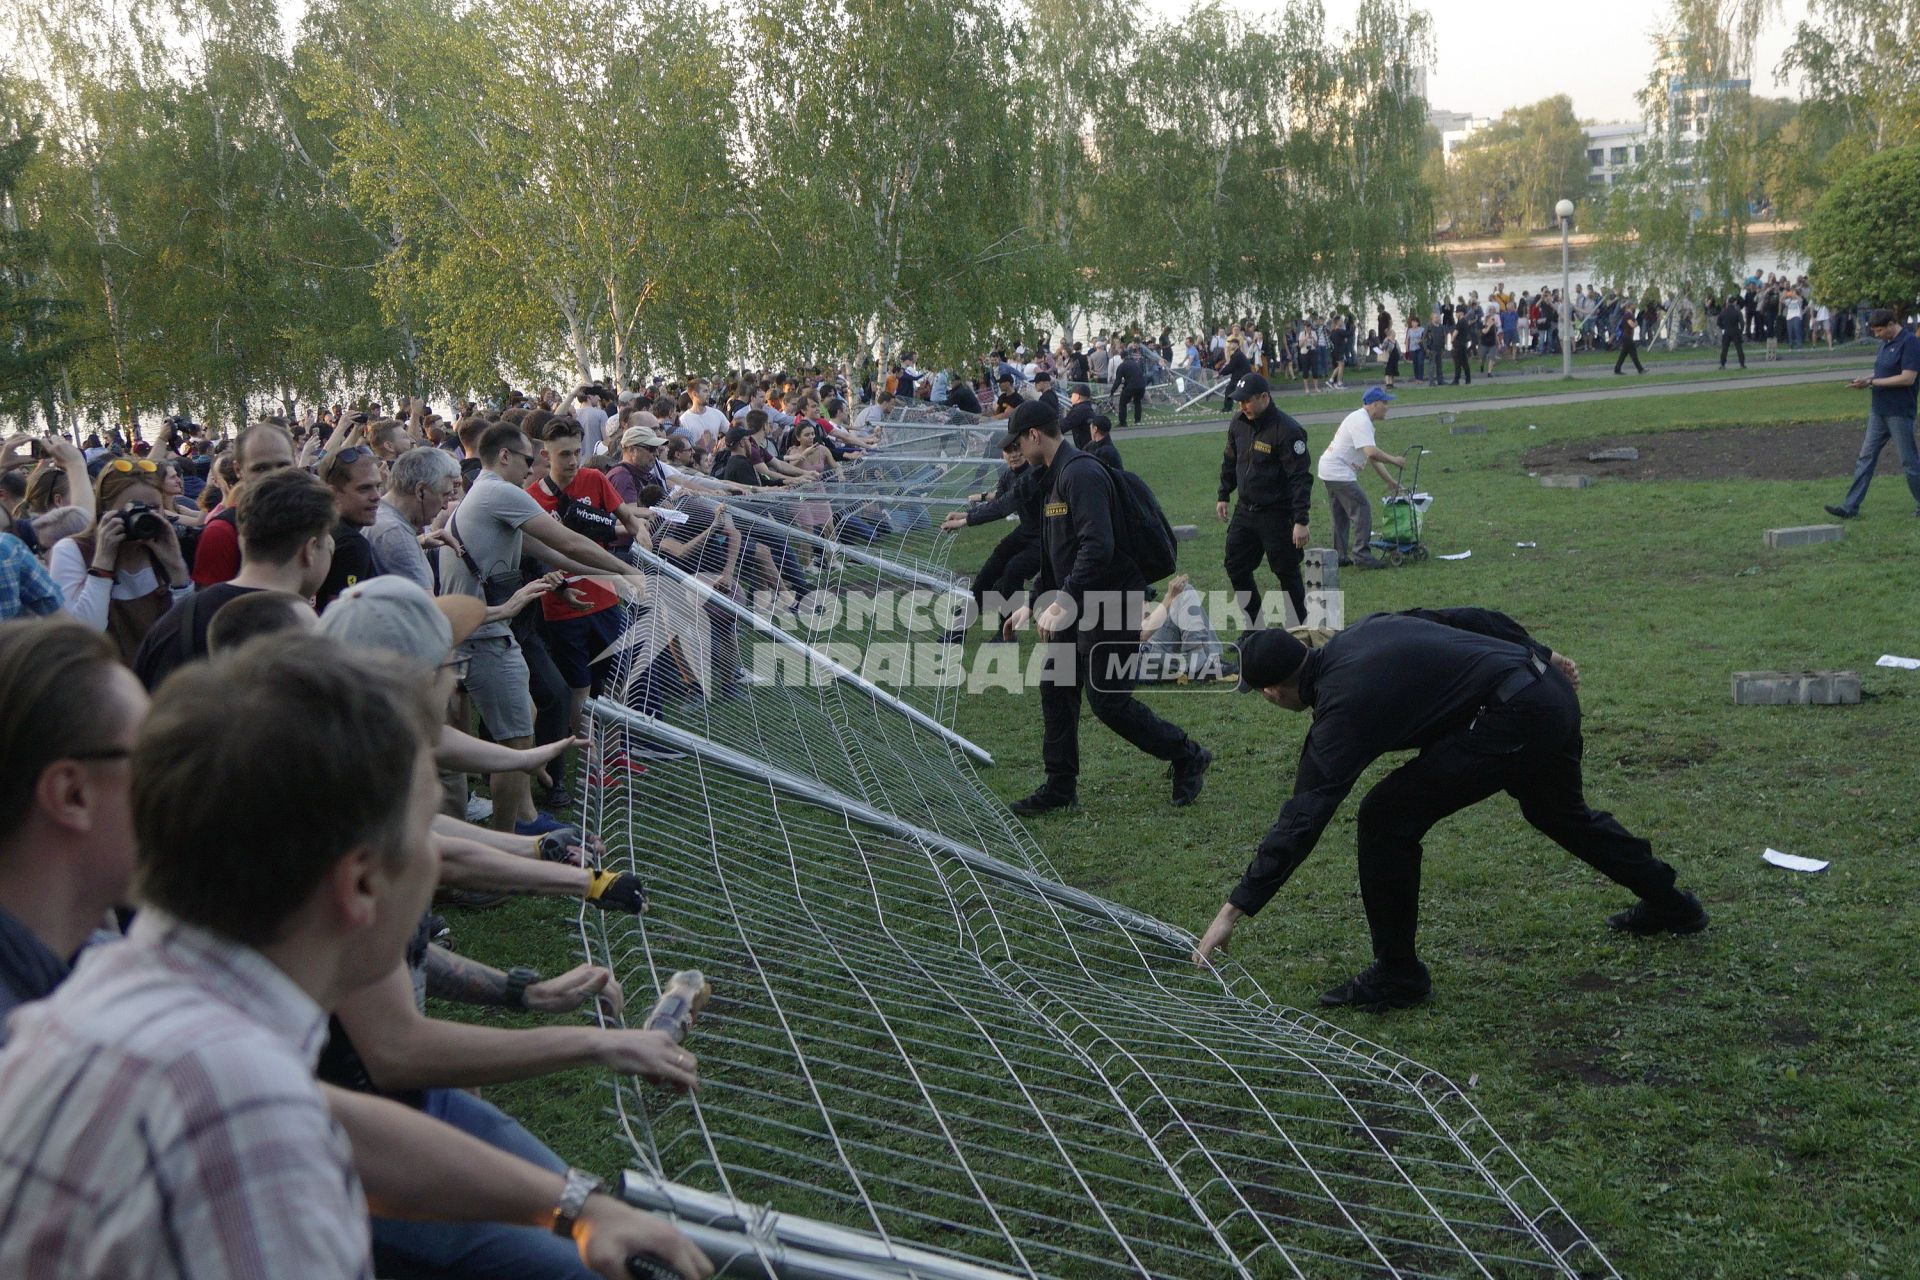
x: 1268, y: 657
x: 1030, y: 414
x: 1250, y: 386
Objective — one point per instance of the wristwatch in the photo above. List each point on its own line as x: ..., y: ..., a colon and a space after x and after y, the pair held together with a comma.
x: 580, y: 1185
x: 518, y: 980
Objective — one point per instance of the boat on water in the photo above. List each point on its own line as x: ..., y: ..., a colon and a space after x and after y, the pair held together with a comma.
x: 1492, y: 262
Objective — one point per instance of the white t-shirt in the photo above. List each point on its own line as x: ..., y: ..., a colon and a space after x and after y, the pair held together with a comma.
x: 1346, y: 454
x: 706, y: 418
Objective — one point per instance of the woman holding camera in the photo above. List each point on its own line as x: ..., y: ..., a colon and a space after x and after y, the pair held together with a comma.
x: 126, y: 571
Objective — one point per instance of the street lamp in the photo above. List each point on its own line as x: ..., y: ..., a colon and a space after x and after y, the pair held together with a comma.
x: 1564, y: 212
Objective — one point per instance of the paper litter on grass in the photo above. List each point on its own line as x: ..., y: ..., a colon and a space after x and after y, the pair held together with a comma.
x: 1905, y: 664
x: 1458, y: 555
x: 1526, y: 544
x: 1793, y: 861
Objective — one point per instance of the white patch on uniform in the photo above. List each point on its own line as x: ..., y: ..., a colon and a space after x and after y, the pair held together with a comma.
x: 1299, y: 446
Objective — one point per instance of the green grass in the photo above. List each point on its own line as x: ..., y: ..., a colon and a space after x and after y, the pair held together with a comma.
x: 1738, y: 1104
x: 1538, y: 376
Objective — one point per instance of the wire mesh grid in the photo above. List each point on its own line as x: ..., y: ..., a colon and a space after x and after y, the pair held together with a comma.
x: 978, y: 1069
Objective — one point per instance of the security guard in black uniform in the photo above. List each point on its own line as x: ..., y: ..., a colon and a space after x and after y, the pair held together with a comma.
x: 1235, y: 370
x: 1016, y: 558
x: 1267, y: 461
x: 1489, y: 708
x: 1077, y: 424
x: 1093, y: 620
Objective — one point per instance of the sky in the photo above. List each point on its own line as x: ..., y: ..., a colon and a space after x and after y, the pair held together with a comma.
x: 1495, y: 54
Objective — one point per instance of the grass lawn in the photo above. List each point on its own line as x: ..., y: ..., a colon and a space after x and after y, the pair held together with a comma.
x: 1736, y: 1104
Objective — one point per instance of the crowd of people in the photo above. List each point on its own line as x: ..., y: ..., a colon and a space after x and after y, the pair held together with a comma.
x: 222, y: 1060
x: 217, y: 965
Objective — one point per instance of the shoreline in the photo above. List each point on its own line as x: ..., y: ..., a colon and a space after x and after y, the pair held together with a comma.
x: 1577, y: 240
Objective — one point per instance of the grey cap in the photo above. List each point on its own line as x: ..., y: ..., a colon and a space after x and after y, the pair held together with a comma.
x: 398, y: 615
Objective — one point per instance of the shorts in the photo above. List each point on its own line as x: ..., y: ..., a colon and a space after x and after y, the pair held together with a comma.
x: 497, y: 683
x: 574, y: 644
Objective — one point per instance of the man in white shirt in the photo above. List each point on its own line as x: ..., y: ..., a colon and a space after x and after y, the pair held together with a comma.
x: 700, y: 422
x: 1350, y: 451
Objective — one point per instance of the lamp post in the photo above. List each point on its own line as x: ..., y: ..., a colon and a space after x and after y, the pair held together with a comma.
x: 1564, y: 212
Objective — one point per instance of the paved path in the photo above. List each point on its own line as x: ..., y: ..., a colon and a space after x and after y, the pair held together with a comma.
x: 1346, y: 402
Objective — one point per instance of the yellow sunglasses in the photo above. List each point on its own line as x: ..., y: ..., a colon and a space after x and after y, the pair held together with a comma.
x: 124, y: 465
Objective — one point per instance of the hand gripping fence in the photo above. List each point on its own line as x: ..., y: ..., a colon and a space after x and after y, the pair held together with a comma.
x: 925, y: 1056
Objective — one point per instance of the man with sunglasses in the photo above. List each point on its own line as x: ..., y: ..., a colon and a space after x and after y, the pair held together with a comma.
x: 354, y: 477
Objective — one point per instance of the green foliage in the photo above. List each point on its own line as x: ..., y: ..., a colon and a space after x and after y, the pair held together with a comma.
x: 39, y: 332
x: 1862, y: 240
x: 1859, y: 79
x: 1508, y: 176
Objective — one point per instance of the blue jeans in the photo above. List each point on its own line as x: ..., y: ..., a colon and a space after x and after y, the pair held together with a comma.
x: 477, y: 1250
x: 1879, y: 428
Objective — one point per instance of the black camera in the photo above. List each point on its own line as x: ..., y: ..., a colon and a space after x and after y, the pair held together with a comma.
x: 143, y: 523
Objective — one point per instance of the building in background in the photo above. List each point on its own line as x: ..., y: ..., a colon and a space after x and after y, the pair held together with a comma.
x: 1613, y: 150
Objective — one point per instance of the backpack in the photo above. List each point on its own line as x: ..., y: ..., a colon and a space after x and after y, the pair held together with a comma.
x: 1140, y: 528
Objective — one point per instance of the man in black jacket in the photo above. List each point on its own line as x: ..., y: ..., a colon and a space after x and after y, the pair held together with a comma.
x: 1016, y: 557
x: 1463, y: 339
x: 1130, y: 383
x: 1092, y: 622
x: 1266, y: 460
x: 1236, y: 368
x: 1043, y: 390
x: 1100, y: 444
x: 1732, y: 328
x: 1488, y: 708
x: 1080, y: 415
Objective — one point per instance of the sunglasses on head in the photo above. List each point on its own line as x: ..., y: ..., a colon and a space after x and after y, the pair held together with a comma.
x: 124, y: 465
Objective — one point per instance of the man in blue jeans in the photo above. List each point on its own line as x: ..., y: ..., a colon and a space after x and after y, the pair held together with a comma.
x: 1896, y: 371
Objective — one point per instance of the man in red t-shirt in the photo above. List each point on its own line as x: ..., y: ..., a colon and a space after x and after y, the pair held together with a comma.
x: 582, y: 618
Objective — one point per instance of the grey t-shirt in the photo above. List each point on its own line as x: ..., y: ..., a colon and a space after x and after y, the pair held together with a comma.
x: 487, y: 523
x: 396, y: 547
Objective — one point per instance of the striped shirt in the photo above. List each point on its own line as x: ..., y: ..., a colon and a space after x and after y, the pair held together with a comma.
x: 162, y: 1121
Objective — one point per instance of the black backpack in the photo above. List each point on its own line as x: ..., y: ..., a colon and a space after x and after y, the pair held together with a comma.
x: 1140, y: 528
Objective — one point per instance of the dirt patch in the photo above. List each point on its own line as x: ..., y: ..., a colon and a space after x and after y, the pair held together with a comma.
x: 1796, y: 451
x: 1591, y: 981
x: 1791, y: 1031
x: 1583, y: 1064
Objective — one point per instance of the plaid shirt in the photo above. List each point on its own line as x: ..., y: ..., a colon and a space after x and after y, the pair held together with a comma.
x: 162, y: 1121
x: 26, y: 589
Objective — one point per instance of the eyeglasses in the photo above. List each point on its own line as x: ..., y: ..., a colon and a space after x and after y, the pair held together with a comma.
x: 458, y: 664
x: 124, y: 465
x: 524, y: 457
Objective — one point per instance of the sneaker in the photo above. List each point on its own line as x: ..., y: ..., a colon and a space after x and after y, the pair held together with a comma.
x: 1046, y: 800
x: 479, y: 809
x: 540, y: 824
x: 555, y: 797
x: 1841, y: 513
x: 1643, y: 919
x: 1380, y: 987
x: 1190, y: 775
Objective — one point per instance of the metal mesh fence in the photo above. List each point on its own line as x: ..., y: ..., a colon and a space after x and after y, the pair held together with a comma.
x: 927, y: 1057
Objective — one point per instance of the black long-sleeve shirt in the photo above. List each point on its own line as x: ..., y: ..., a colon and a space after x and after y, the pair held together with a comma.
x: 1236, y: 368
x: 1080, y: 554
x: 1268, y: 462
x: 1017, y: 494
x: 1392, y: 682
x: 1074, y: 424
x: 1103, y: 449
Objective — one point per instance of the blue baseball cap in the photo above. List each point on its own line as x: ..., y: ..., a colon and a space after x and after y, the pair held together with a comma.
x: 1376, y: 395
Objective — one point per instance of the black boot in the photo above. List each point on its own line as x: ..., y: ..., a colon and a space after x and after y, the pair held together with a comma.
x: 1643, y: 919
x: 1046, y: 800
x: 1382, y: 985
x: 1189, y: 775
